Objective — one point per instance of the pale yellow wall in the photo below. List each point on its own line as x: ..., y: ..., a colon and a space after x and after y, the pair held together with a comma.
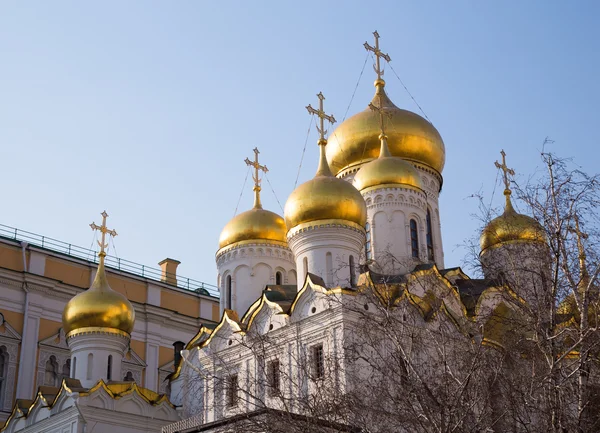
x: 188, y: 305
x: 11, y: 258
x: 134, y: 291
x: 69, y: 273
x: 139, y: 347
x: 14, y: 319
x: 165, y: 354
x: 215, y: 312
x: 48, y: 328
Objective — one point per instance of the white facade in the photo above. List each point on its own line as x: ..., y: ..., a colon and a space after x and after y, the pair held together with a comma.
x: 245, y: 268
x: 331, y: 249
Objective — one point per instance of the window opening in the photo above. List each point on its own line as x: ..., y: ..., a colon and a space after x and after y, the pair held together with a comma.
x: 318, y: 361
x: 368, y: 243
x: 352, y: 272
x: 278, y: 279
x: 90, y: 365
x: 128, y: 377
x: 228, y: 305
x: 414, y: 239
x: 232, y: 390
x: 109, y: 368
x: 430, y: 254
x: 66, y: 370
x: 51, y: 373
x: 3, y: 368
x: 274, y: 377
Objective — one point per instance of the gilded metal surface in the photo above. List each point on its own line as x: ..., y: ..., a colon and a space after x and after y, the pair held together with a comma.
x: 378, y: 55
x: 324, y: 196
x: 511, y: 226
x: 254, y: 224
x: 387, y: 170
x: 99, y: 306
x: 257, y: 167
x: 410, y: 137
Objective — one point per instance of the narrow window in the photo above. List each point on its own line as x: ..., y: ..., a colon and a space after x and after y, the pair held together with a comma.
x: 90, y: 365
x: 128, y: 377
x: 231, y: 391
x: 74, y: 367
x: 66, y: 370
x: 368, y: 243
x: 414, y: 239
x: 178, y: 346
x: 352, y: 272
x: 51, y: 373
x: 318, y: 363
x: 278, y: 279
x: 3, y: 368
x: 329, y: 268
x: 305, y: 264
x: 228, y: 304
x: 109, y: 368
x: 273, y: 377
x: 430, y: 254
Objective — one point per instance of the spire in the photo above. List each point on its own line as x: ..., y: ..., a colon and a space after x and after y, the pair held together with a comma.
x: 506, y: 172
x: 379, y: 83
x: 100, y: 281
x: 384, y: 150
x: 257, y: 167
x: 323, y: 169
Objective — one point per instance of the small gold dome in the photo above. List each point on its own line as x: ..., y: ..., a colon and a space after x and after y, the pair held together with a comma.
x: 511, y: 226
x: 387, y: 170
x: 411, y: 137
x: 254, y: 224
x: 325, y: 197
x: 99, y: 307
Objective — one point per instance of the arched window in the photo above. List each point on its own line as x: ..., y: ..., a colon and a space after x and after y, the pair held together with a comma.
x: 178, y: 346
x: 74, y: 367
x: 109, y: 368
x: 278, y: 278
x: 352, y: 271
x: 228, y: 298
x: 66, y: 370
x: 414, y: 239
x: 368, y: 243
x: 51, y: 373
x: 128, y: 377
x: 90, y: 366
x: 329, y: 268
x: 3, y: 372
x: 430, y: 254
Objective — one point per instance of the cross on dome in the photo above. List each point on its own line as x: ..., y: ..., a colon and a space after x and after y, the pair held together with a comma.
x: 506, y: 171
x: 378, y: 55
x: 322, y: 117
x: 104, y: 230
x: 381, y: 113
x: 255, y: 177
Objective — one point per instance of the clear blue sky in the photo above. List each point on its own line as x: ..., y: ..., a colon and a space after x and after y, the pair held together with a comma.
x: 148, y: 109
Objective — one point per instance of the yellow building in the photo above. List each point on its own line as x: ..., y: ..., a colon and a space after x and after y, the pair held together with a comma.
x: 38, y: 276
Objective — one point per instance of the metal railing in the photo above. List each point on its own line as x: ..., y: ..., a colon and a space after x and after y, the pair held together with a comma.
x: 113, y: 262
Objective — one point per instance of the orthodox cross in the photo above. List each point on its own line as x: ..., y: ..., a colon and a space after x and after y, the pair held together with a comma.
x: 381, y: 114
x: 505, y: 169
x: 104, y: 230
x: 255, y: 177
x: 378, y: 55
x: 322, y: 116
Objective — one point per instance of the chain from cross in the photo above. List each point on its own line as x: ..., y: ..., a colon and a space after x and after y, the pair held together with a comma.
x: 381, y: 113
x: 322, y: 116
x: 378, y: 55
x: 256, y: 167
x: 507, y: 171
x: 104, y: 230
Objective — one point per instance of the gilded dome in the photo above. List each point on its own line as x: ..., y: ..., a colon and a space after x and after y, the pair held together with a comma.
x: 410, y: 137
x: 254, y: 224
x: 387, y: 170
x: 99, y: 307
x: 325, y: 197
x: 511, y: 226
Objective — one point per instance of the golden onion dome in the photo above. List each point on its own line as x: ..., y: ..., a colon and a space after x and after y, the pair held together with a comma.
x: 411, y: 137
x: 99, y: 307
x: 254, y: 225
x: 325, y: 197
x: 511, y: 226
x: 387, y: 170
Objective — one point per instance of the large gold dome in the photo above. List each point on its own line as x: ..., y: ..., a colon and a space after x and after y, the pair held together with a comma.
x: 255, y: 224
x: 387, y: 170
x: 511, y: 226
x: 325, y: 197
x: 99, y: 307
x: 411, y: 137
